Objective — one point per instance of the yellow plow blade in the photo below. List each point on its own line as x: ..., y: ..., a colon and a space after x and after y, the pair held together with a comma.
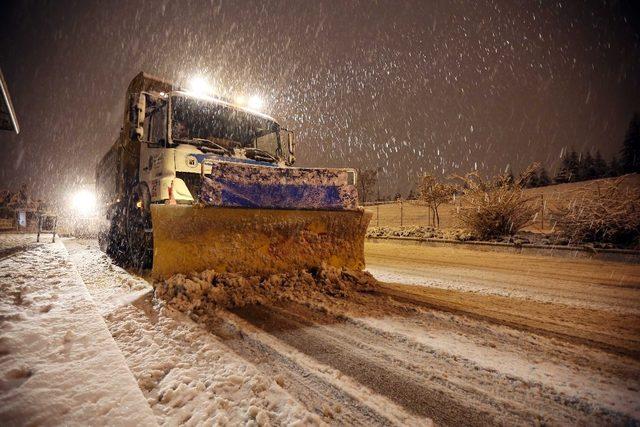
x: 254, y: 241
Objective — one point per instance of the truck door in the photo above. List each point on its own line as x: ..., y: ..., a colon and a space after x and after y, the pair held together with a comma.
x: 154, y: 143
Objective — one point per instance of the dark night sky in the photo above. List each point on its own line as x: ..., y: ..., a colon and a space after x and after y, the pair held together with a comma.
x: 441, y: 86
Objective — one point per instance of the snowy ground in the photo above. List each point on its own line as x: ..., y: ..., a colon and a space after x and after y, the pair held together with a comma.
x: 188, y: 375
x: 58, y: 363
x: 469, y: 340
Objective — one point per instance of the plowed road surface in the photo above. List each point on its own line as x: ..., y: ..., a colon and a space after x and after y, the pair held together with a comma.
x: 452, y: 336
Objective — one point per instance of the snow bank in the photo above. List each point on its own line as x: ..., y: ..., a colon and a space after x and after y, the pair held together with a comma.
x: 420, y: 232
x: 188, y: 375
x: 58, y: 362
x: 209, y: 288
x: 109, y: 285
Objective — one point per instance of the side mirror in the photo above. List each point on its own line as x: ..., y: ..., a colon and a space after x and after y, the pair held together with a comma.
x: 161, y: 143
x: 291, y: 146
x: 137, y: 119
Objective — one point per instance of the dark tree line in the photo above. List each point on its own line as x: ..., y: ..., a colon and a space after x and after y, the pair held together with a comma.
x: 630, y: 153
x: 10, y: 201
x: 576, y: 167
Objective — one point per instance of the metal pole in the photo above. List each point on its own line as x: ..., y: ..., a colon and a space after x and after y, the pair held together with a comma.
x: 55, y: 228
x: 542, y: 212
x: 378, y: 201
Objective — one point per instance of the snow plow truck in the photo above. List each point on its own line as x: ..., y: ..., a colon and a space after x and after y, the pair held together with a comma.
x: 195, y: 182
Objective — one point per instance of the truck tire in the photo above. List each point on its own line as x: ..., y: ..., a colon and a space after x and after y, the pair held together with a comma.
x: 138, y: 228
x: 114, y: 242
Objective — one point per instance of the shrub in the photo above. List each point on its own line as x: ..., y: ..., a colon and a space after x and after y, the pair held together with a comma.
x: 497, y: 207
x: 609, y: 214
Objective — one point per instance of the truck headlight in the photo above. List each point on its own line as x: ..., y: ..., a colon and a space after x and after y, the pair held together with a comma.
x: 83, y: 202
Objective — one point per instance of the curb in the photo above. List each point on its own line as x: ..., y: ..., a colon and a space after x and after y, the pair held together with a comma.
x: 618, y: 255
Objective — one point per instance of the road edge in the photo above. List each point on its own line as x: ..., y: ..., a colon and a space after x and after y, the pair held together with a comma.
x: 616, y: 255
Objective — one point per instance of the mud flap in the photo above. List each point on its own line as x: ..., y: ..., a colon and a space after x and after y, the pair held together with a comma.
x: 254, y: 241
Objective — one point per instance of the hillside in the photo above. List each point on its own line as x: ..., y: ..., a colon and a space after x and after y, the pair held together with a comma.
x: 552, y: 195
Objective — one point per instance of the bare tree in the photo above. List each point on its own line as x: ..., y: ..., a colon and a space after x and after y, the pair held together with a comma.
x: 433, y: 194
x: 531, y: 181
x: 21, y: 197
x: 5, y: 197
x: 367, y: 179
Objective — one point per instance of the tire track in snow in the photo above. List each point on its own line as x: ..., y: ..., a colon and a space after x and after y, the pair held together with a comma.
x: 508, y: 397
x: 515, y: 315
x: 321, y: 388
x: 347, y: 364
x: 337, y: 351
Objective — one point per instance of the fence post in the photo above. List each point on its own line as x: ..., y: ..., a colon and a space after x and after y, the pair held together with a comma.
x: 401, y: 214
x: 378, y: 213
x: 542, y: 212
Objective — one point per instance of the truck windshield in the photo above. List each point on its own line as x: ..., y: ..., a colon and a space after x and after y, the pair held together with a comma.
x: 202, y: 121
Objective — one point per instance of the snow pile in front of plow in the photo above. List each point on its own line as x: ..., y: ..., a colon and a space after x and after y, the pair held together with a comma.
x: 227, y: 290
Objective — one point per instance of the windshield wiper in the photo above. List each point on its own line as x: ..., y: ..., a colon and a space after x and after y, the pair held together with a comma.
x: 205, y: 144
x: 259, y: 154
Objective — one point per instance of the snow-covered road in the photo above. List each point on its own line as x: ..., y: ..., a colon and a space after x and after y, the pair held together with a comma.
x: 469, y: 341
x: 577, y: 282
x: 402, y: 357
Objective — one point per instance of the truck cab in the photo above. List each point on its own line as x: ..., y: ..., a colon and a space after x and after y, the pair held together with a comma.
x: 182, y: 134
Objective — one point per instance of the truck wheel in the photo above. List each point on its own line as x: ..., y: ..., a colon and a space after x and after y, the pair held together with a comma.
x: 114, y: 240
x: 138, y: 229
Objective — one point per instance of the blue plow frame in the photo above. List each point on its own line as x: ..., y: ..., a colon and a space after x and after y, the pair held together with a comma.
x: 253, y: 185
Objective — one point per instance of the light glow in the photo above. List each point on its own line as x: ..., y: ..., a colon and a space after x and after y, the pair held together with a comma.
x: 83, y: 203
x: 240, y: 100
x: 255, y: 103
x: 200, y: 86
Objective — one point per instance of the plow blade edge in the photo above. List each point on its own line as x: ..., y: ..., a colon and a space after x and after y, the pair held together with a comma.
x: 254, y: 241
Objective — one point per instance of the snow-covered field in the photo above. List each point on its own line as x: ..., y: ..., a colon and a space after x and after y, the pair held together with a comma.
x: 460, y: 339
